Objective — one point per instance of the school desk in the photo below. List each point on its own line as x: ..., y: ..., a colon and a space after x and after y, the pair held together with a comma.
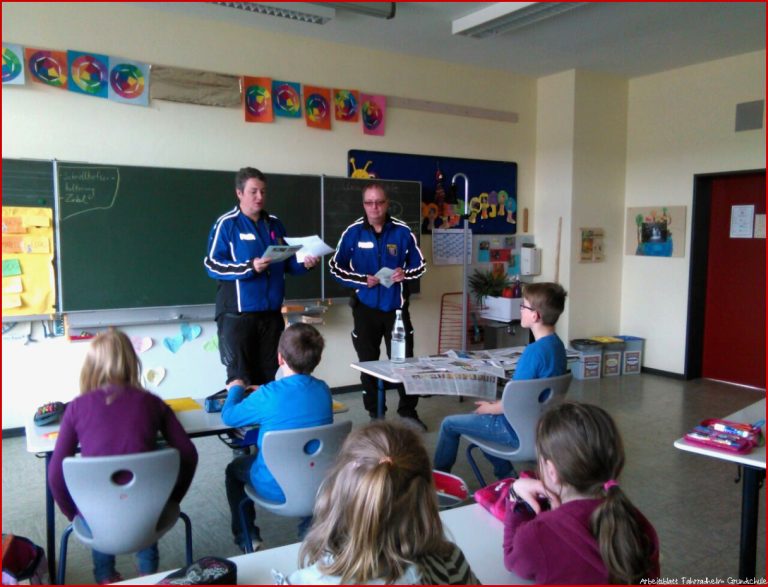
x: 753, y: 474
x: 472, y: 528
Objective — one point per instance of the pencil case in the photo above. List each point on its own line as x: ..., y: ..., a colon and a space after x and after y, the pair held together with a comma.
x: 719, y: 434
x: 215, y: 403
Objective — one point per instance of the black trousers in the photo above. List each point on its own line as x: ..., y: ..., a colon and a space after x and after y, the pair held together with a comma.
x: 370, y: 327
x: 248, y: 345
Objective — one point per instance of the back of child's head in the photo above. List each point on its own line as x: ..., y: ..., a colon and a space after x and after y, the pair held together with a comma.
x: 111, y: 360
x: 376, y: 512
x: 301, y: 346
x: 585, y: 446
x: 547, y: 298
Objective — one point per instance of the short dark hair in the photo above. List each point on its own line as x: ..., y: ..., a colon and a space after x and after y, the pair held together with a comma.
x: 247, y: 173
x: 547, y: 298
x: 301, y: 346
x: 374, y: 185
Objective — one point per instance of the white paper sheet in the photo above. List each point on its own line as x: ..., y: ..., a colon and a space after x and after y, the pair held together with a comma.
x: 310, y: 245
x: 385, y: 276
x: 280, y: 253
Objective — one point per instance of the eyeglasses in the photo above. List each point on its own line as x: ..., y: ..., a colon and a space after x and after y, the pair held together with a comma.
x: 378, y: 203
x: 524, y: 307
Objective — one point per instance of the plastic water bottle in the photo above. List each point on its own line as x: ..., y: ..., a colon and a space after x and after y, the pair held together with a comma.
x: 398, y: 339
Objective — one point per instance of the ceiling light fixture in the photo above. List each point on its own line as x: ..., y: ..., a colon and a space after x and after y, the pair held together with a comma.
x: 298, y: 11
x: 503, y: 17
x: 377, y: 9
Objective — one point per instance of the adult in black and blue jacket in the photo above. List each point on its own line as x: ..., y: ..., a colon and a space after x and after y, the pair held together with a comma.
x: 251, y: 288
x: 374, y: 241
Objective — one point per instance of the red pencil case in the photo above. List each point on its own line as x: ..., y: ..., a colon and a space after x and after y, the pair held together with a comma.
x: 725, y: 435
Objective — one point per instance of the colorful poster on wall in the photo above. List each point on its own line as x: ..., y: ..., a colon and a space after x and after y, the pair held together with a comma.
x: 592, y: 245
x: 656, y: 231
x: 13, y: 64
x: 47, y: 67
x: 257, y: 99
x: 286, y: 99
x: 317, y: 106
x: 88, y: 74
x: 346, y: 105
x: 128, y: 81
x: 373, y: 110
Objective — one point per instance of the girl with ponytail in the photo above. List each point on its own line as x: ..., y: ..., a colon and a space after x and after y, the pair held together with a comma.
x: 376, y: 517
x: 592, y: 533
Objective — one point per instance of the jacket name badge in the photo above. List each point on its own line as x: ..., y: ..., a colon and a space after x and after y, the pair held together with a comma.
x: 245, y: 236
x: 364, y: 245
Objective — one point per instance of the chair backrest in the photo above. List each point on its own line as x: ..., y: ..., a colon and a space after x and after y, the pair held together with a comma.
x: 121, y: 497
x: 299, y: 460
x: 524, y: 401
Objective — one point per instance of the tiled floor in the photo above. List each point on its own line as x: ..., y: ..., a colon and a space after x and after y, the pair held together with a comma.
x: 692, y: 500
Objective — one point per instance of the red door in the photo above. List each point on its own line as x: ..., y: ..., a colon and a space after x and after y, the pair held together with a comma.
x: 734, y: 326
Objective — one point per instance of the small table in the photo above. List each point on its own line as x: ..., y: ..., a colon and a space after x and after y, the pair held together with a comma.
x: 753, y: 473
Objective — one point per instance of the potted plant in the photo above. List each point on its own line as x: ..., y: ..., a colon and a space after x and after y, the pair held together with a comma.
x: 492, y: 293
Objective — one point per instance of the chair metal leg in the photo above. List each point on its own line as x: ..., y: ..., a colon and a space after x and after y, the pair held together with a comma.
x: 474, y: 466
x: 244, y: 526
x: 62, y: 571
x: 187, y: 536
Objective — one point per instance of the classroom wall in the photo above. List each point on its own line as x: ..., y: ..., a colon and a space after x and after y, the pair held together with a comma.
x: 681, y: 123
x: 43, y: 123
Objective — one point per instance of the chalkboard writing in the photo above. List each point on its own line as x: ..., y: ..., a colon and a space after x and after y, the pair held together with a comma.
x: 85, y: 189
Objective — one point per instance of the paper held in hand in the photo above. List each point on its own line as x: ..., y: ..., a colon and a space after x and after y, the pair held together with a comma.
x: 309, y: 245
x: 279, y: 253
x: 384, y: 276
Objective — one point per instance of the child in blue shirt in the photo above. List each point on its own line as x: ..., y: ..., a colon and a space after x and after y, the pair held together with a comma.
x: 297, y: 400
x: 542, y: 305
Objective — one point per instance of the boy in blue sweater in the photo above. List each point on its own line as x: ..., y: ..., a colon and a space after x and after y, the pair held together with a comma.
x: 298, y: 400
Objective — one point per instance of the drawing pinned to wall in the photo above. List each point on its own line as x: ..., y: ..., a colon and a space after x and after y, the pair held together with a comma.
x: 286, y: 99
x: 13, y: 64
x: 374, y: 113
x: 513, y: 268
x: 656, y: 231
x: 361, y: 173
x: 346, y: 105
x: 592, y: 245
x: 128, y: 81
x: 88, y: 74
x: 317, y: 105
x: 47, y: 67
x: 258, y: 99
x: 484, y: 252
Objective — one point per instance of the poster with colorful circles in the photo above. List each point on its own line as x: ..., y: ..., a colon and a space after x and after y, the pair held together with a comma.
x: 47, y: 67
x: 317, y: 107
x: 13, y: 64
x: 286, y: 99
x: 346, y: 105
x: 257, y: 99
x: 373, y: 111
x: 128, y: 81
x: 88, y: 73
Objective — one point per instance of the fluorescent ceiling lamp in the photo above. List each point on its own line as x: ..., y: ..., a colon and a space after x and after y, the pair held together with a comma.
x: 298, y: 11
x: 504, y: 17
x: 376, y: 9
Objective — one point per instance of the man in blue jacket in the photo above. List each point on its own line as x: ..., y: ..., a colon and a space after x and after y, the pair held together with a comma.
x: 250, y: 287
x: 367, y: 245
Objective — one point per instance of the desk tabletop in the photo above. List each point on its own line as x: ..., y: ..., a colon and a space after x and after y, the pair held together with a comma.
x: 748, y: 415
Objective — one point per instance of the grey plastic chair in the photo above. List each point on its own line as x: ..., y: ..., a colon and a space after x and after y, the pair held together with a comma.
x: 524, y: 401
x: 299, y: 466
x: 124, y: 513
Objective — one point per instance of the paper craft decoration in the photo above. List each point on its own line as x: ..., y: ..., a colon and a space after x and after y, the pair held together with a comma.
x: 655, y: 232
x: 128, y: 81
x: 212, y: 345
x: 286, y: 99
x: 12, y: 285
x: 346, y: 105
x: 191, y: 331
x: 374, y: 111
x: 37, y: 220
x: 13, y: 225
x: 11, y: 301
x: 47, y: 67
x: 173, y: 343
x: 154, y: 376
x: 88, y: 73
x: 317, y: 105
x: 141, y: 344
x: 11, y: 267
x: 257, y: 92
x: 13, y: 64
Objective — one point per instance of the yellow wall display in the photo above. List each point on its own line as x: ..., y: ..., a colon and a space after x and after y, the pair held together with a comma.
x: 29, y: 286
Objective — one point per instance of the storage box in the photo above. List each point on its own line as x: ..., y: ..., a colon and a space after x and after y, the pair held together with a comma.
x: 613, y: 349
x: 501, y: 309
x: 590, y: 359
x: 632, y: 359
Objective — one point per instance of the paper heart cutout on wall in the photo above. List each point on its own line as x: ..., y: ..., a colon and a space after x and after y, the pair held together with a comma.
x: 174, y: 343
x: 154, y: 376
x: 191, y: 331
x: 141, y: 344
x: 212, y: 345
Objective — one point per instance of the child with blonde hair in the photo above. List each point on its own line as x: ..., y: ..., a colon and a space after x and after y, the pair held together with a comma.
x: 592, y: 533
x: 114, y: 415
x: 376, y: 518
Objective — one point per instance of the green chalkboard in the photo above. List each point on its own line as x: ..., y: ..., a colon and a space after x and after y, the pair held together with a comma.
x: 27, y: 183
x: 135, y: 237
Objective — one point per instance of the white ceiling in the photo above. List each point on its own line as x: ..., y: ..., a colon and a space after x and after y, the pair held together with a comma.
x: 626, y: 39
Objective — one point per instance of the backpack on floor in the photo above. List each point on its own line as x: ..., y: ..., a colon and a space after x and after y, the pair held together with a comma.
x: 23, y: 561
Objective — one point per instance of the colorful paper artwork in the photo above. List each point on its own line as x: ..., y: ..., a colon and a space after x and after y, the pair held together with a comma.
x: 128, y: 81
x: 346, y: 105
x: 47, y: 67
x: 88, y: 73
x: 286, y: 99
x: 13, y: 64
x: 592, y: 245
x: 317, y: 105
x: 13, y: 225
x: 373, y: 111
x: 11, y: 267
x: 12, y: 285
x: 257, y: 92
x: 656, y: 232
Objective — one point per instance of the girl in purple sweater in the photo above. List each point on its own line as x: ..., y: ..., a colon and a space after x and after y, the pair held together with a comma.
x: 113, y: 415
x: 575, y: 524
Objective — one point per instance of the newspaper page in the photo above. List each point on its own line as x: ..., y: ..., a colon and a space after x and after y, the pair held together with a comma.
x: 448, y: 376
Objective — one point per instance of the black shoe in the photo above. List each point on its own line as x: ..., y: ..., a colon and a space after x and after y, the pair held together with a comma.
x: 414, y: 422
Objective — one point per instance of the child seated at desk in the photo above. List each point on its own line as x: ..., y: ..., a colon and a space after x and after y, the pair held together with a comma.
x: 592, y: 533
x: 541, y: 307
x: 113, y: 415
x: 376, y: 517
x: 297, y: 400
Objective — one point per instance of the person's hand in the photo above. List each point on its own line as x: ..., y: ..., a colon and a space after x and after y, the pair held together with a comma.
x: 260, y: 264
x: 398, y: 275
x: 373, y: 281
x: 489, y: 408
x: 310, y: 261
x: 531, y: 490
x: 234, y: 383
